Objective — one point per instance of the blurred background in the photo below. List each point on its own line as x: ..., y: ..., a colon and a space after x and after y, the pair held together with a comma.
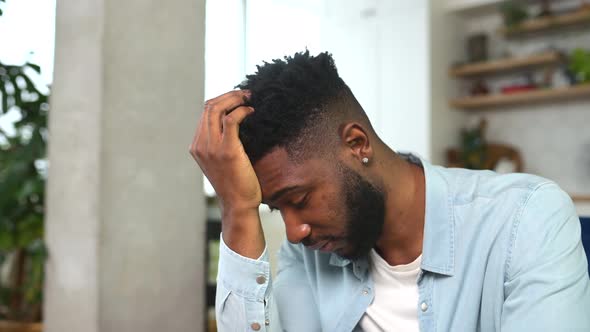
x: 107, y: 224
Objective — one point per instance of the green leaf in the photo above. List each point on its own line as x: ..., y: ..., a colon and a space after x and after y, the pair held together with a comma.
x: 6, y: 241
x: 27, y: 189
x: 4, y: 97
x: 579, y: 64
x: 29, y: 230
x: 31, y: 87
x: 35, y: 67
x: 5, y: 295
x: 17, y: 91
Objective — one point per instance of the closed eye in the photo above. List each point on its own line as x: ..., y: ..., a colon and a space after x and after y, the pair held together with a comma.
x: 297, y: 205
x: 301, y: 204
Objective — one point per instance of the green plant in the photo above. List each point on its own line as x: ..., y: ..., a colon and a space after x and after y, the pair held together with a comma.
x: 579, y: 65
x: 473, y: 146
x: 22, y: 182
x: 513, y: 13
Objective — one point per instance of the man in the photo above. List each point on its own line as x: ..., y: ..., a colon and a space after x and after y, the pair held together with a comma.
x: 377, y: 241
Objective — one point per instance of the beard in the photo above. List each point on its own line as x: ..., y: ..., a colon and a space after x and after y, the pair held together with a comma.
x: 364, y: 214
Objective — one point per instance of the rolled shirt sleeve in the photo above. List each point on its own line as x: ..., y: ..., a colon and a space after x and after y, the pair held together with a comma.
x: 243, y: 300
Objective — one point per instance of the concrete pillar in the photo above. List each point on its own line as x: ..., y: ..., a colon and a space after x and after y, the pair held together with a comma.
x: 125, y: 209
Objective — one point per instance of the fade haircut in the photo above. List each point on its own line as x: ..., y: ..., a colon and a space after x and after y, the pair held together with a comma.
x: 299, y: 102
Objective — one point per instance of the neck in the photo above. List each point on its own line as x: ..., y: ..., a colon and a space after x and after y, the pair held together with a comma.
x: 403, y: 228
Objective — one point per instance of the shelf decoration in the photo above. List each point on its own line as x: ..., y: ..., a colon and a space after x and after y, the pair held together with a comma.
x: 476, y: 153
x: 513, y: 13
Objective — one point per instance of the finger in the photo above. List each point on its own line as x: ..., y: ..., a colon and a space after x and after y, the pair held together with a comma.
x: 244, y: 94
x: 219, y: 107
x: 201, y: 127
x: 231, y: 124
x: 201, y: 135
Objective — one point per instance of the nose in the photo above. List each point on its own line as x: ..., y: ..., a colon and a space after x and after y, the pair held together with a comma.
x: 296, y: 229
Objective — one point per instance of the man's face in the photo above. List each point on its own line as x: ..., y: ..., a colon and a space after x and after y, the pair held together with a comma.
x: 344, y: 210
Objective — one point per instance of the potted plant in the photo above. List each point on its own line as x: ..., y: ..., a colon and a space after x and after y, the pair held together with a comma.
x: 22, y: 181
x: 513, y: 13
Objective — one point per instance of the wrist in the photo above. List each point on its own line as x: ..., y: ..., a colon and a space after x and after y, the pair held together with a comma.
x: 239, y: 213
x: 242, y: 231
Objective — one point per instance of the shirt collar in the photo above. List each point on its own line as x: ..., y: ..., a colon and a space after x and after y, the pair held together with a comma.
x: 438, y: 249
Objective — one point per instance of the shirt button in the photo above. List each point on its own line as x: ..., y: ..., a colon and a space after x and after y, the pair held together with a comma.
x: 260, y: 280
x: 365, y: 291
x: 424, y: 306
x: 267, y: 322
x: 255, y: 326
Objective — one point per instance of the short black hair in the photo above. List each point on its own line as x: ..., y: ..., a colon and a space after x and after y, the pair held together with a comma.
x: 294, y: 99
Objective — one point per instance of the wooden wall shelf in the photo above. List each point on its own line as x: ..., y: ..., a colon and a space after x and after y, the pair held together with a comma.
x: 580, y: 198
x: 461, y: 6
x: 548, y: 23
x: 9, y: 326
x: 488, y: 101
x: 495, y: 66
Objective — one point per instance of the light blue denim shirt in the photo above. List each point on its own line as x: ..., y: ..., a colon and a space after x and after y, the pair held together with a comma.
x: 500, y: 253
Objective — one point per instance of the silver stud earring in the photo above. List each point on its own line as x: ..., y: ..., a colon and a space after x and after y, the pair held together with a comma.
x: 365, y: 160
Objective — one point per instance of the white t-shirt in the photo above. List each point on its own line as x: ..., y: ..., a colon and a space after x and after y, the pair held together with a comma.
x: 395, y: 306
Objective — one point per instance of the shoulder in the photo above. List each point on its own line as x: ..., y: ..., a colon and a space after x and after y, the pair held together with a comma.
x: 546, y: 227
x: 544, y: 209
x: 467, y: 185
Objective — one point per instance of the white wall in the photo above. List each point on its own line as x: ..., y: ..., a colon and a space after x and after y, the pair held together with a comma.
x: 275, y: 28
x: 381, y: 49
x: 224, y: 46
x: 445, y: 122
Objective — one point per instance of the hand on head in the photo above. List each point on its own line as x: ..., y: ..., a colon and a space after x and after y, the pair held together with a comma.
x: 219, y: 152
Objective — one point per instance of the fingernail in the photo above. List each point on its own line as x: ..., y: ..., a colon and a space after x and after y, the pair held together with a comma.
x: 247, y: 93
x: 251, y: 109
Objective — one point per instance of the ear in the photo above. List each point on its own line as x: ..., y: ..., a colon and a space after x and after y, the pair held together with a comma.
x: 356, y: 140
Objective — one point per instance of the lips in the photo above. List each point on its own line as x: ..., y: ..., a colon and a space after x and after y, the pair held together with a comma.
x: 318, y: 245
x: 328, y: 247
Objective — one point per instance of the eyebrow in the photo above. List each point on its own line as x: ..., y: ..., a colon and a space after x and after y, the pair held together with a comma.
x: 274, y: 197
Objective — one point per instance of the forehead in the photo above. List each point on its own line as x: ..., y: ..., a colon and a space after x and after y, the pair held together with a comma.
x: 276, y: 171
